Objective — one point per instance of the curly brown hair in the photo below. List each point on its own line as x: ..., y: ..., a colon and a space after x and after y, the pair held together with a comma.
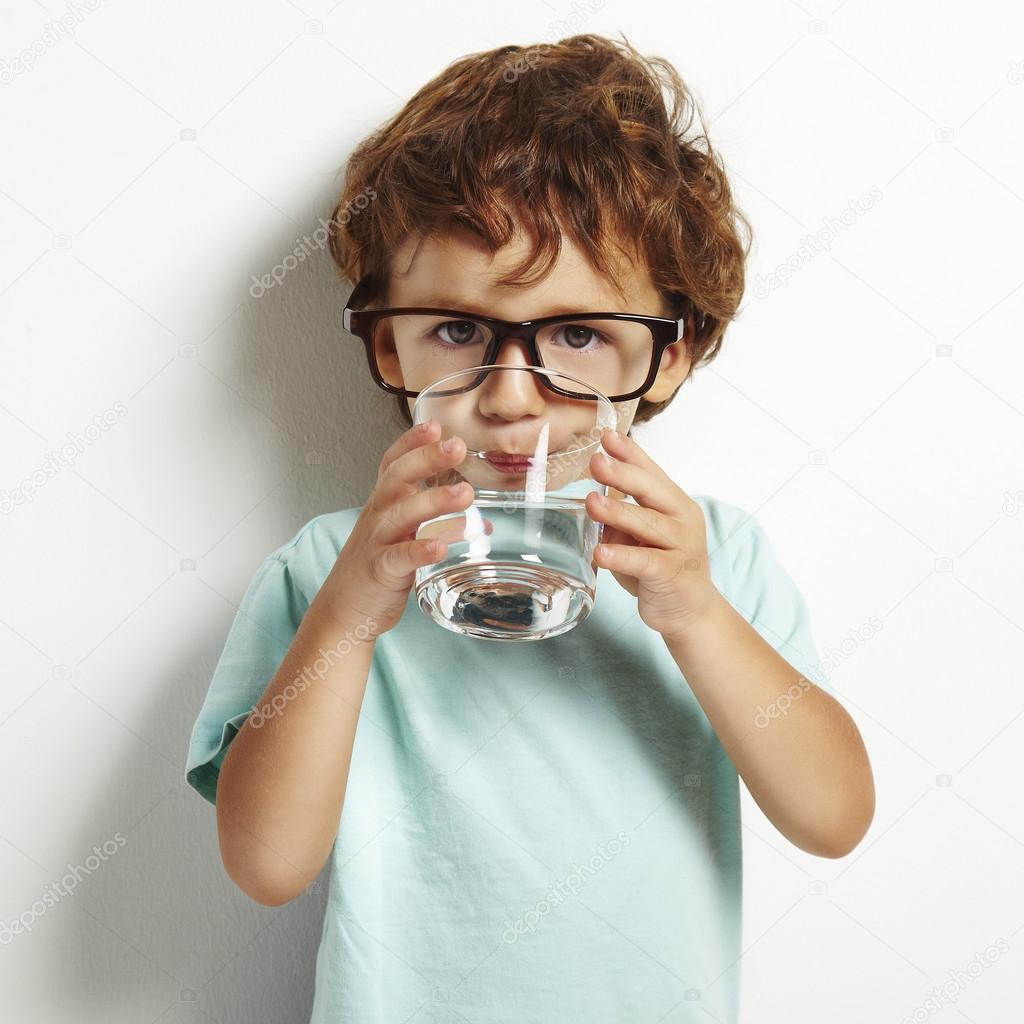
x: 572, y: 136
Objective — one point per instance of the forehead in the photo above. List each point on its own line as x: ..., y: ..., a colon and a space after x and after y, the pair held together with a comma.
x: 456, y: 269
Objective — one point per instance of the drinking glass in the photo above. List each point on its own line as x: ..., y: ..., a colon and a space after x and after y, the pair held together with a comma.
x: 519, y: 561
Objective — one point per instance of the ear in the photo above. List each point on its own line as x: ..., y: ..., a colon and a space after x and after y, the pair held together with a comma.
x: 675, y: 365
x: 387, y: 360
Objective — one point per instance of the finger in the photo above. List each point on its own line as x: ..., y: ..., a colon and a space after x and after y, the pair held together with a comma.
x: 421, y: 433
x: 403, y: 519
x: 609, y: 535
x: 394, y: 564
x: 656, y: 492
x: 647, y: 525
x: 625, y: 449
x: 410, y: 469
x: 455, y: 528
x: 643, y: 563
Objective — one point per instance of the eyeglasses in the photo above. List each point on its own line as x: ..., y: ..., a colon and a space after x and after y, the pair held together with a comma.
x: 410, y: 347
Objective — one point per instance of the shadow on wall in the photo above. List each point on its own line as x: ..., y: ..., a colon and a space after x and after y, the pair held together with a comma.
x: 161, y: 928
x: 298, y: 367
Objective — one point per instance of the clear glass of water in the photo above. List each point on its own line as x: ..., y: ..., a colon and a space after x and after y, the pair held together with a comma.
x: 519, y: 561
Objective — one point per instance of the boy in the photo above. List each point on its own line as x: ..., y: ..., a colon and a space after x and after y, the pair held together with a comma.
x: 545, y: 831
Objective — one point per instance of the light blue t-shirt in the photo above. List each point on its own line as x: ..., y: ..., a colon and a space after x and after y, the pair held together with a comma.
x: 546, y: 831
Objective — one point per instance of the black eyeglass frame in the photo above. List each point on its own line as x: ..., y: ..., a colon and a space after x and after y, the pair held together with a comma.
x: 665, y: 331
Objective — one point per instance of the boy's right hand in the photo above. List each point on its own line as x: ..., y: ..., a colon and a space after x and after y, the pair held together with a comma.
x: 376, y: 568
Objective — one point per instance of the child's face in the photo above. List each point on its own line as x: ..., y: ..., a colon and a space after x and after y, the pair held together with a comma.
x: 457, y: 272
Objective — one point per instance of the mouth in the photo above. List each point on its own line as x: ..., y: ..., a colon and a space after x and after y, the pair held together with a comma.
x: 509, y: 462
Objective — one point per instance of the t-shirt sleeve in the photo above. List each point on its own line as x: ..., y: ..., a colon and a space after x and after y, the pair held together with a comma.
x: 260, y: 635
x: 767, y: 596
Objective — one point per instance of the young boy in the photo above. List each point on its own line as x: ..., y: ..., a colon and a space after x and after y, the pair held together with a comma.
x: 544, y: 831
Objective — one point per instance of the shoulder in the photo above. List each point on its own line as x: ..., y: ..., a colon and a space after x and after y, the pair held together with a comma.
x: 750, y: 572
x: 744, y: 563
x: 311, y: 551
x: 733, y: 533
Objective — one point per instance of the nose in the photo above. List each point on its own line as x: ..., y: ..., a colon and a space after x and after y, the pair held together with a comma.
x: 507, y: 394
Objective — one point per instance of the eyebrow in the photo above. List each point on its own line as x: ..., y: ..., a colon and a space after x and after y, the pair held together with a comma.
x: 466, y: 306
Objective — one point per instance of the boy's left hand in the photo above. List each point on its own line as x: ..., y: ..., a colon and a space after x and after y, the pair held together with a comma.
x: 657, y: 548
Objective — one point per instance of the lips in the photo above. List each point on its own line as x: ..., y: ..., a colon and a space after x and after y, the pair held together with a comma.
x: 507, y: 462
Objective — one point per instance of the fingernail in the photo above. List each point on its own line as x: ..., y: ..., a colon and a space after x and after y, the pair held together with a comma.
x: 448, y: 445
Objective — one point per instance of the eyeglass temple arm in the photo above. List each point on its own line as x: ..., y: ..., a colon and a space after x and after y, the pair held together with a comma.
x: 355, y: 300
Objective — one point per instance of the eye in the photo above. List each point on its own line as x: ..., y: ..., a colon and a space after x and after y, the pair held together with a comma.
x: 578, y: 336
x: 460, y: 332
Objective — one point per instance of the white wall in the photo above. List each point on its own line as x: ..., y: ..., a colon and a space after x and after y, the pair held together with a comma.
x: 870, y: 411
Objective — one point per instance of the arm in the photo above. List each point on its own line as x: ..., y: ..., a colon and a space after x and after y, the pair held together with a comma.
x: 802, y: 757
x: 283, y: 779
x: 807, y: 769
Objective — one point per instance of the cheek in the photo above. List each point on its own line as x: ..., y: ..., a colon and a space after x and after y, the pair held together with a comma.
x: 572, y: 434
